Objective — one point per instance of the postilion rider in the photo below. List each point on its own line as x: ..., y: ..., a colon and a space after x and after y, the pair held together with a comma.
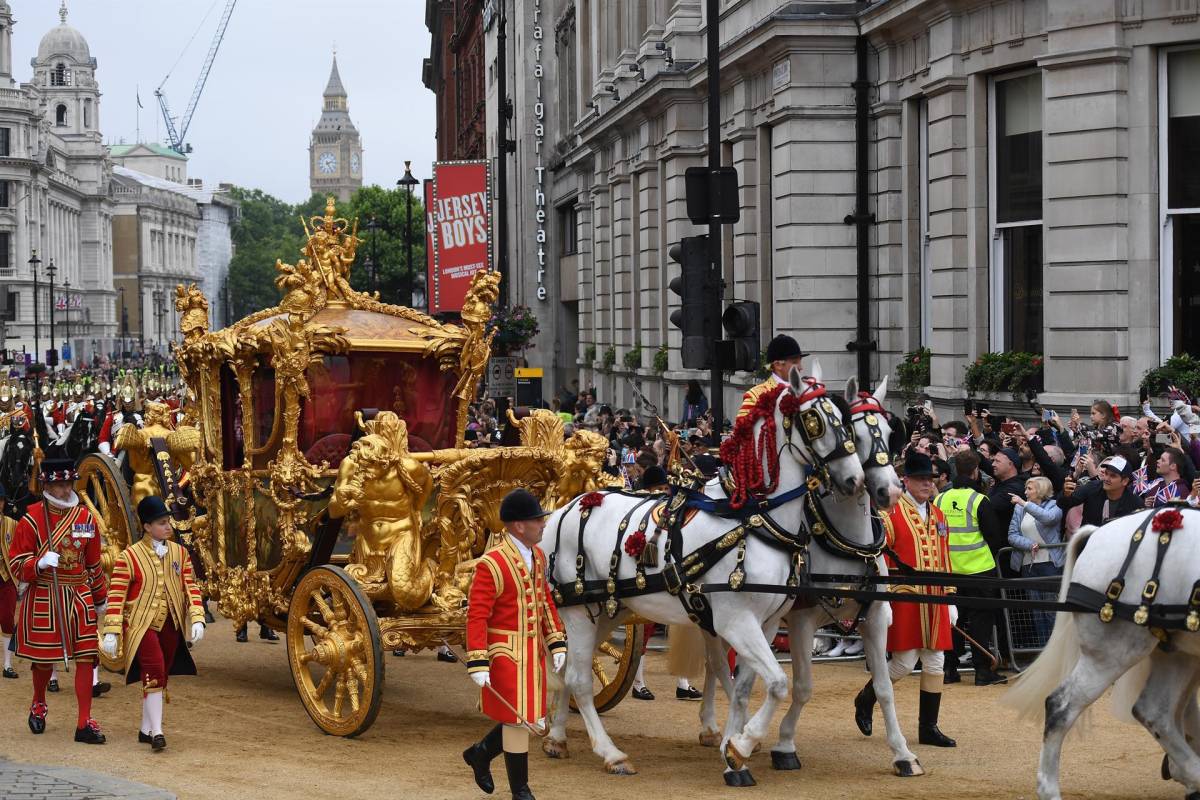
x: 152, y: 601
x: 511, y: 623
x: 783, y: 353
x: 918, y: 535
x: 56, y: 550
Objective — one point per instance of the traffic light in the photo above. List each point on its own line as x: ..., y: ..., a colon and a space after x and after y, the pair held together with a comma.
x: 693, y: 317
x: 740, y: 349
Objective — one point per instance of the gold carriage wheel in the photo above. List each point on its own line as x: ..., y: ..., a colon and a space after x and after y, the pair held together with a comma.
x: 615, y: 666
x: 335, y: 652
x: 102, y: 488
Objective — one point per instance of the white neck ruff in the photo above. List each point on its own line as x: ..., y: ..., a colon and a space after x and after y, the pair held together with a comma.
x: 70, y: 502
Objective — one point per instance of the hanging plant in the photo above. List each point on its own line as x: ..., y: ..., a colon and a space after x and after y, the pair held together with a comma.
x: 515, y: 328
x: 610, y: 359
x: 1181, y: 371
x: 912, y: 373
x: 661, y: 359
x: 1012, y: 372
x: 589, y: 354
x: 633, y: 357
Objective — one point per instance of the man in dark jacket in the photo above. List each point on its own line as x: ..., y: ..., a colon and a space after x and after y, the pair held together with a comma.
x: 1006, y: 469
x: 1107, y: 498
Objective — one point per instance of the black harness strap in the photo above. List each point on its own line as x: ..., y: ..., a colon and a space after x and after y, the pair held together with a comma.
x: 611, y: 605
x: 1117, y: 584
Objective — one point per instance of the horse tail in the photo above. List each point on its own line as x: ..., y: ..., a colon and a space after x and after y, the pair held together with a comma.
x: 1028, y: 694
x: 685, y: 651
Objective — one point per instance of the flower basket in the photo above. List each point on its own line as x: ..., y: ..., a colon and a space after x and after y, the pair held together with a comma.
x: 1011, y: 372
x: 912, y: 373
x: 1182, y: 371
x: 610, y: 359
x: 661, y: 360
x: 633, y: 357
x: 515, y: 328
x: 589, y: 354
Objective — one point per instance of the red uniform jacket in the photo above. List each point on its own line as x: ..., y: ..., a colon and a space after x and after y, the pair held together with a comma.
x: 75, y: 537
x: 511, y: 623
x: 922, y: 546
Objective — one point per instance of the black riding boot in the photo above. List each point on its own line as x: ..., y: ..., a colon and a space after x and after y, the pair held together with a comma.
x: 479, y: 758
x: 927, y: 729
x: 517, y: 765
x: 864, y: 709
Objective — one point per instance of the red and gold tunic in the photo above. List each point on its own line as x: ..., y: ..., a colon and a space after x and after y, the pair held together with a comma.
x: 922, y: 545
x: 147, y: 590
x: 757, y: 391
x: 74, y: 536
x: 511, y: 623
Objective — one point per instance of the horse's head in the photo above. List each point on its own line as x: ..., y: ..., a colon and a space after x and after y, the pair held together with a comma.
x: 825, y: 441
x: 872, y: 432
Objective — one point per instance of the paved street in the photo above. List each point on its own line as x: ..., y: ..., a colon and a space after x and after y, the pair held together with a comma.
x: 33, y: 782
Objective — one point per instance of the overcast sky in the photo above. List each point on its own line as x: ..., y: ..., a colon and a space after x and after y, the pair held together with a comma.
x: 263, y: 95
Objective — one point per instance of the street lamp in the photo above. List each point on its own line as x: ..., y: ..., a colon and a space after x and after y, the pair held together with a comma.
x: 124, y: 325
x: 67, y: 310
x: 52, y: 360
x: 372, y: 260
x: 160, y: 311
x: 409, y: 183
x: 34, y: 261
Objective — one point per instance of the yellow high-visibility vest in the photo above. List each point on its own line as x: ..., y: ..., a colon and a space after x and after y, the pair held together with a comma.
x: 969, y: 553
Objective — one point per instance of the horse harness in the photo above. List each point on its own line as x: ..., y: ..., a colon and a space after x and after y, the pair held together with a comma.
x: 1160, y: 618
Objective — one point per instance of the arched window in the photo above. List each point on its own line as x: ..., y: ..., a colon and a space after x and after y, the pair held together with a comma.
x: 60, y: 116
x: 60, y: 75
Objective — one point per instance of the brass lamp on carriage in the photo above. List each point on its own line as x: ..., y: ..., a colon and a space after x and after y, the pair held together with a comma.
x: 334, y: 495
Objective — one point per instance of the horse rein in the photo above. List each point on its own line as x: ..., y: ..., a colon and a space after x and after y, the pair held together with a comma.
x: 813, y: 426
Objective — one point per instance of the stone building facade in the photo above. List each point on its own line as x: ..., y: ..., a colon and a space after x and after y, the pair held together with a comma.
x: 54, y: 199
x: 454, y: 72
x: 1030, y: 174
x: 155, y: 226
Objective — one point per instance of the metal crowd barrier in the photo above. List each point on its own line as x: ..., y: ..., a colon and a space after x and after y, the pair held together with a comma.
x: 1025, y: 631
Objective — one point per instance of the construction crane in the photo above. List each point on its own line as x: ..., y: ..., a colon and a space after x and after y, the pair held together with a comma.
x: 177, y: 135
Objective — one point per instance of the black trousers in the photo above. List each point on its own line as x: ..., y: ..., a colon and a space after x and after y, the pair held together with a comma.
x: 978, y: 623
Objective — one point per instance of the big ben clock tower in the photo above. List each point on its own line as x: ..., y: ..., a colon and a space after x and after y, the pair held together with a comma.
x: 335, y: 152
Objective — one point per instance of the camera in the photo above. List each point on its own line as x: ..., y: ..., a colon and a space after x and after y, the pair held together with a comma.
x: 1162, y: 438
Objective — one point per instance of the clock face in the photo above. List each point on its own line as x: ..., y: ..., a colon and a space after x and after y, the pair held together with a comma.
x: 327, y: 162
x: 354, y: 163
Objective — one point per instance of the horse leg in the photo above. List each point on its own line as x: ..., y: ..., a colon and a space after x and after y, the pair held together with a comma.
x: 1104, y: 657
x: 555, y: 744
x: 874, y: 635
x: 802, y: 626
x: 1160, y: 708
x: 754, y: 654
x: 715, y: 671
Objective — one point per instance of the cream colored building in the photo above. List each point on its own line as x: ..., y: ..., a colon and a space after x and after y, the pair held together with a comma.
x: 1031, y: 171
x: 54, y: 198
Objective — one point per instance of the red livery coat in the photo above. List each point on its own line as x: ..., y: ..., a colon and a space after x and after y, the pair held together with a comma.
x: 511, y: 623
x: 76, y: 538
x: 922, y: 545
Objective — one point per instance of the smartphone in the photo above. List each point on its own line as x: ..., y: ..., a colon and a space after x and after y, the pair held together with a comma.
x: 1047, y: 415
x: 1143, y: 395
x: 968, y: 406
x: 1162, y: 438
x: 1010, y: 427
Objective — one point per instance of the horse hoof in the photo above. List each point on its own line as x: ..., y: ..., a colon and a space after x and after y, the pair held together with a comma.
x: 710, y: 738
x: 908, y: 769
x: 739, y: 778
x: 555, y: 749
x: 733, y: 759
x: 1166, y: 769
x: 620, y: 768
x: 784, y: 760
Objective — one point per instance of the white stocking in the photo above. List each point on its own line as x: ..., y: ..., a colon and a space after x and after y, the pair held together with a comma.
x: 146, y: 724
x: 683, y: 683
x: 53, y: 674
x: 639, y: 678
x: 153, y: 709
x: 96, y: 675
x: 7, y: 652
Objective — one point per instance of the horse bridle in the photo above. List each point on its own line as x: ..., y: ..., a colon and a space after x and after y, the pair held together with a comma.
x: 812, y: 424
x: 867, y: 408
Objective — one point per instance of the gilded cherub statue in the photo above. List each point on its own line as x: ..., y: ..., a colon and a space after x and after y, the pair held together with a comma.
x: 192, y: 306
x: 381, y: 490
x: 156, y: 442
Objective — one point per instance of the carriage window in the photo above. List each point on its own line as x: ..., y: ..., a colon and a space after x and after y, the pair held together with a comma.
x: 263, y: 384
x: 405, y: 383
x: 231, y: 420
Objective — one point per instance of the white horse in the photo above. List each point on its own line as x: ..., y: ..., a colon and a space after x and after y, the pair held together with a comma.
x: 851, y: 518
x: 1157, y: 681
x: 811, y: 437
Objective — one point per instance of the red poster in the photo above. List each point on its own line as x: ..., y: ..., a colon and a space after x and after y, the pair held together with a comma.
x: 461, y: 225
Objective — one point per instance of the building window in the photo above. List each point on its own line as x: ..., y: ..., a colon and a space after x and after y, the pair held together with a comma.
x: 1015, y: 164
x: 60, y: 116
x: 925, y: 276
x: 568, y: 229
x: 5, y: 141
x: 1179, y: 201
x: 4, y: 196
x: 11, y: 307
x: 5, y: 256
x: 60, y: 75
x: 87, y: 114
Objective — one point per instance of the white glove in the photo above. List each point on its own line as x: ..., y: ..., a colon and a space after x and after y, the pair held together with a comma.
x: 953, y: 615
x: 559, y: 659
x: 106, y: 448
x: 109, y: 645
x: 49, y: 560
x: 100, y: 610
x: 197, y: 632
x: 482, y: 677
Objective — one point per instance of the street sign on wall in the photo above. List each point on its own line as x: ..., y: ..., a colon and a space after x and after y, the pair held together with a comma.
x: 461, y: 235
x: 502, y: 376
